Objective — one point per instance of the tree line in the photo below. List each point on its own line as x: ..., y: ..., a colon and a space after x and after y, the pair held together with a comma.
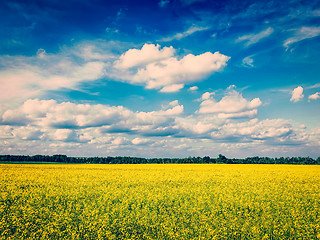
x: 137, y: 160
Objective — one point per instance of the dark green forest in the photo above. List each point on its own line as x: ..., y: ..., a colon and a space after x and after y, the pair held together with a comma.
x: 136, y: 160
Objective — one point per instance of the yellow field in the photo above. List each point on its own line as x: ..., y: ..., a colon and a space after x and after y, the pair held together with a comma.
x: 49, y: 201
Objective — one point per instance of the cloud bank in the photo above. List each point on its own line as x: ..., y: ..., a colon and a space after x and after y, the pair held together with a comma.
x: 65, y: 125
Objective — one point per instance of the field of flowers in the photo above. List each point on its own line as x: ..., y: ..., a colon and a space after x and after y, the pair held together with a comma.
x: 165, y: 201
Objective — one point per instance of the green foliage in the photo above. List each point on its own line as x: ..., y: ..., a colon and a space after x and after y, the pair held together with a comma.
x: 135, y: 160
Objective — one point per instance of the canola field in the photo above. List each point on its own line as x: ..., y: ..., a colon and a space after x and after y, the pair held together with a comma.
x: 165, y: 201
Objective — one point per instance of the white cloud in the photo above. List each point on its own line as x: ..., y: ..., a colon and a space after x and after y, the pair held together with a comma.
x: 297, y: 94
x: 198, y: 125
x: 87, y: 72
x: 18, y: 84
x: 120, y: 141
x: 248, y: 61
x: 25, y: 81
x: 174, y: 103
x: 6, y: 132
x: 172, y: 88
x: 272, y: 128
x: 206, y: 96
x: 149, y: 53
x: 269, y: 129
x: 317, y: 85
x: 250, y: 114
x: 314, y: 96
x: 170, y: 105
x: 141, y: 141
x: 67, y: 135
x: 26, y: 77
x: 302, y: 34
x: 27, y: 133
x: 254, y: 38
x: 38, y: 108
x: 116, y: 130
x: 231, y: 87
x: 41, y: 53
x: 90, y: 52
x: 176, y: 110
x: 62, y: 134
x: 34, y: 76
x: 193, y: 88
x: 14, y: 118
x: 178, y: 36
x: 170, y: 74
x: 232, y: 105
x: 67, y: 115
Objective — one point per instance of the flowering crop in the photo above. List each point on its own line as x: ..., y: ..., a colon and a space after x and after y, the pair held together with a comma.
x: 165, y: 201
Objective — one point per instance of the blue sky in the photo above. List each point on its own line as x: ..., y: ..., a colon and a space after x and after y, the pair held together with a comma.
x: 168, y: 78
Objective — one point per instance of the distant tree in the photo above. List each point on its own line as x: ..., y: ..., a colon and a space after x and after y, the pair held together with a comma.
x: 222, y: 159
x: 206, y: 159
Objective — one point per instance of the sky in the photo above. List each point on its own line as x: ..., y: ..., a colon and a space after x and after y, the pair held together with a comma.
x: 165, y: 78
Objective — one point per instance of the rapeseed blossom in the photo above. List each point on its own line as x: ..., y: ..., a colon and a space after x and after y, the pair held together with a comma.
x: 165, y: 201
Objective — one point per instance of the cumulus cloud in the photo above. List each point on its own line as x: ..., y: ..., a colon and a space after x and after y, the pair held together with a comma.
x: 254, y: 38
x: 174, y: 103
x: 302, y: 34
x: 157, y: 68
x: 120, y: 141
x: 141, y: 141
x: 171, y: 74
x: 71, y: 120
x: 192, y: 126
x: 206, y: 96
x: 64, y: 135
x: 6, y: 132
x: 27, y: 133
x: 69, y: 125
x: 258, y: 130
x: 250, y: 114
x: 297, y: 94
x: 14, y: 118
x: 272, y: 128
x: 230, y: 106
x: 314, y: 96
x: 70, y: 116
x: 149, y: 53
